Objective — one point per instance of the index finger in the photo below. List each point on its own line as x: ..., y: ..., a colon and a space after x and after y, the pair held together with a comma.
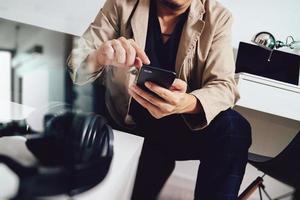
x: 139, y: 52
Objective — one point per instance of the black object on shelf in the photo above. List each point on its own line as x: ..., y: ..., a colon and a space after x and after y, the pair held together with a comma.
x: 277, y: 65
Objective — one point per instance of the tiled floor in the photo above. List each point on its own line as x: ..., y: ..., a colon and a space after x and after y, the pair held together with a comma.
x: 180, y: 188
x: 177, y: 189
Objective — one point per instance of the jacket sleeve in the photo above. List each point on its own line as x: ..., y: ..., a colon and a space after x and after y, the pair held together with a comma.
x: 219, y: 91
x: 105, y: 27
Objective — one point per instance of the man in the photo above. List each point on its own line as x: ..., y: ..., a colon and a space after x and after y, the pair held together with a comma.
x: 193, y: 119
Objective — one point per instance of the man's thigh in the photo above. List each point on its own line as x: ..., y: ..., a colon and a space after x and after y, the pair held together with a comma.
x: 228, y: 129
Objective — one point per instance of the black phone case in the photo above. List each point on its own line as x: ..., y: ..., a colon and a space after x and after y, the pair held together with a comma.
x: 161, y: 77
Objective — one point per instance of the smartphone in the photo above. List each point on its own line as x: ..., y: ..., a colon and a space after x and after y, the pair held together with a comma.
x: 161, y: 77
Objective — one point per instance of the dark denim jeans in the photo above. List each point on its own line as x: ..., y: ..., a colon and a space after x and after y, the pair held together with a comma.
x: 222, y: 149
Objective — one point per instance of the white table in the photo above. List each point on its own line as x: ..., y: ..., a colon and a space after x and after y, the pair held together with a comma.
x: 119, y: 181
x: 273, y: 110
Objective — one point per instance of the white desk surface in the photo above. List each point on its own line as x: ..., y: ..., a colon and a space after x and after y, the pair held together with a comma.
x: 119, y: 181
x: 269, y: 96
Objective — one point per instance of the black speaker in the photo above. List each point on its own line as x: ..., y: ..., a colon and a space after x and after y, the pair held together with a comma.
x: 275, y: 64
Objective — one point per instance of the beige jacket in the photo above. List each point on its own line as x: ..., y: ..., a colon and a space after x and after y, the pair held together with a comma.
x: 204, y: 58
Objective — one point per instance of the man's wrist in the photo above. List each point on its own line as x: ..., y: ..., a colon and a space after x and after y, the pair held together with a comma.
x: 193, y: 105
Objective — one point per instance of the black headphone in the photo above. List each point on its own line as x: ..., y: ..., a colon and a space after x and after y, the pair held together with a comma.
x: 74, y: 154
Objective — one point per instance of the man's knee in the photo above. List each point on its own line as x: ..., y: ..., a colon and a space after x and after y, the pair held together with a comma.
x: 233, y: 129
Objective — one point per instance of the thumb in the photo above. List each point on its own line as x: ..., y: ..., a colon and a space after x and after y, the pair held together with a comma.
x: 179, y: 85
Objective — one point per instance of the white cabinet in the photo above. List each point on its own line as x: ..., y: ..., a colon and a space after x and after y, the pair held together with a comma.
x: 269, y: 96
x: 273, y: 110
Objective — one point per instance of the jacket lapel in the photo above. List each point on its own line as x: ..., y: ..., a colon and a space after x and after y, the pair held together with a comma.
x: 139, y: 22
x: 190, y: 33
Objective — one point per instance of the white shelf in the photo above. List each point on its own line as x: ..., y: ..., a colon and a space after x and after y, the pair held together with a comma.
x: 269, y: 96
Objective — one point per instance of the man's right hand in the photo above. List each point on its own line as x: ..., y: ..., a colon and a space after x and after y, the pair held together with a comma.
x: 121, y: 52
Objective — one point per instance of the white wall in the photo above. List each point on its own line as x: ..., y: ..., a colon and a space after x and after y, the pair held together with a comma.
x: 68, y: 16
x: 282, y: 18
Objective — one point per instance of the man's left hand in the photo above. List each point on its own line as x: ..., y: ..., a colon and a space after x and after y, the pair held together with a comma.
x: 174, y: 100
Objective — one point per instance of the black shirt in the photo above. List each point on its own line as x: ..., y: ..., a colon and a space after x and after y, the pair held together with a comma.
x: 162, y: 55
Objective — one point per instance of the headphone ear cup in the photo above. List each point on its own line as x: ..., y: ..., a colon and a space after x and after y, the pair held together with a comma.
x: 88, y: 138
x: 90, y: 141
x: 105, y: 139
x: 49, y: 147
x: 73, y: 139
x: 89, y: 135
x: 99, y: 141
